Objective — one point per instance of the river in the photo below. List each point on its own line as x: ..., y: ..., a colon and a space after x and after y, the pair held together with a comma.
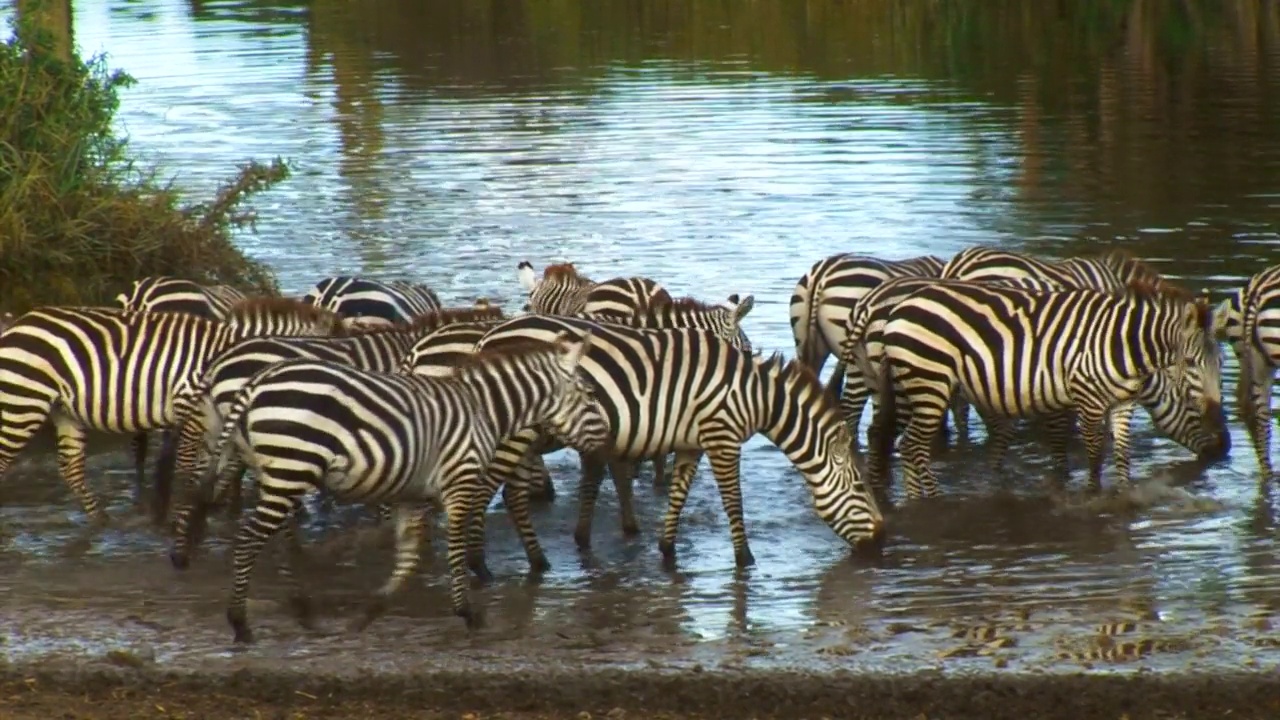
x: 719, y: 147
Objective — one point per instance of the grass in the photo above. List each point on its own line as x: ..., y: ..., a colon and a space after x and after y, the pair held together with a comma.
x: 79, y: 220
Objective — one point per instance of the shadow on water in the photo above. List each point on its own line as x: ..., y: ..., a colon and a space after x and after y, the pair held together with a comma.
x: 718, y: 147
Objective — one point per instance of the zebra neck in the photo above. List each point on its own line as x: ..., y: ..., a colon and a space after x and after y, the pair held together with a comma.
x: 509, y: 408
x: 792, y: 423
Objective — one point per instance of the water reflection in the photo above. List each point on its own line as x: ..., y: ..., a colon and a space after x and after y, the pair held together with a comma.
x: 724, y: 147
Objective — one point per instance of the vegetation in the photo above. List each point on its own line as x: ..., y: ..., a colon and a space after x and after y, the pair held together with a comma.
x: 79, y: 221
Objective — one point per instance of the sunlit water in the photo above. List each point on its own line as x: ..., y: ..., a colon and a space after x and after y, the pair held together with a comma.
x: 716, y: 175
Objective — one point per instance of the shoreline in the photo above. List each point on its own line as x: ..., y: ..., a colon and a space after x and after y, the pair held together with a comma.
x: 471, y: 688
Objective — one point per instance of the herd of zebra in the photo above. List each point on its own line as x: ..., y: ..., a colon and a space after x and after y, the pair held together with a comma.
x: 373, y: 392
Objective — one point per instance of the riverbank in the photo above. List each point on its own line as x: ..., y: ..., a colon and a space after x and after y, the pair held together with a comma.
x: 541, y: 687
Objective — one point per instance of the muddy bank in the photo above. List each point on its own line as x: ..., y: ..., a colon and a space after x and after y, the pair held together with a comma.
x: 453, y: 687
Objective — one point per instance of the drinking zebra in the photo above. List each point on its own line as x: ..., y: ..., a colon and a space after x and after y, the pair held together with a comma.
x: 826, y: 295
x: 397, y: 301
x: 105, y: 369
x: 1020, y: 353
x: 689, y: 391
x: 163, y: 293
x: 390, y: 438
x: 1257, y: 346
x: 200, y: 406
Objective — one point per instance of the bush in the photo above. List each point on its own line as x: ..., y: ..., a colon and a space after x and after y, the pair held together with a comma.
x: 78, y: 220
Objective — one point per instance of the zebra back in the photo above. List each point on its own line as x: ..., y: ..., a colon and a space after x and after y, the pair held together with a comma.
x: 722, y: 320
x: 622, y: 296
x: 1109, y: 271
x: 396, y: 301
x: 161, y: 293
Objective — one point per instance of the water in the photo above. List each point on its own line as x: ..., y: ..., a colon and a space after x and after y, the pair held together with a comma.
x: 719, y: 148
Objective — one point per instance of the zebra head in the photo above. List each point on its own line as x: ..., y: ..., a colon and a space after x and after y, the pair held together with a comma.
x: 1171, y: 399
x: 738, y: 309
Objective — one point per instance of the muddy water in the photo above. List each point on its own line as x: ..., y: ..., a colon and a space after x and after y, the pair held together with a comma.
x: 719, y: 154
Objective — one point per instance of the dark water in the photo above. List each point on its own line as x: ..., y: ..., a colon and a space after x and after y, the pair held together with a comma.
x: 719, y: 147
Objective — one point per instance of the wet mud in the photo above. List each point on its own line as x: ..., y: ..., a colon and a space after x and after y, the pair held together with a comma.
x: 990, y: 602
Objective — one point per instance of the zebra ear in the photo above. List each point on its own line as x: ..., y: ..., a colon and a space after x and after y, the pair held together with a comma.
x: 744, y: 306
x: 572, y: 349
x: 123, y: 300
x: 528, y: 280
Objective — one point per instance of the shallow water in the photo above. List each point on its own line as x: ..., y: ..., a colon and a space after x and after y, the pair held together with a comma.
x: 717, y: 154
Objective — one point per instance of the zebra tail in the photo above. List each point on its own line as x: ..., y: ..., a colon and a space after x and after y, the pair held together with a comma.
x: 215, y: 482
x: 807, y: 322
x: 884, y: 422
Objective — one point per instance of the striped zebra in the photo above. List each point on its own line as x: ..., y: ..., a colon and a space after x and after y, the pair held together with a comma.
x: 826, y: 295
x: 860, y: 351
x: 163, y: 293
x: 199, y: 407
x: 689, y: 391
x: 396, y: 301
x: 1108, y: 271
x: 562, y: 291
x: 108, y: 370
x: 1257, y: 346
x: 1021, y: 353
x: 390, y: 438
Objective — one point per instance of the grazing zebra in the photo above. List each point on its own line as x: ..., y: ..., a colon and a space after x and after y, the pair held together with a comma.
x: 390, y: 438
x: 108, y: 370
x: 562, y: 291
x: 162, y: 293
x: 826, y: 295
x: 689, y: 391
x: 1108, y: 271
x: 860, y: 351
x: 1020, y: 353
x: 396, y: 301
x: 1257, y: 305
x: 199, y: 407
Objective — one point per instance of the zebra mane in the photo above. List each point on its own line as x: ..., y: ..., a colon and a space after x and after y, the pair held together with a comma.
x: 805, y: 378
x: 444, y: 316
x: 1169, y: 292
x: 279, y: 306
x: 669, y: 304
x: 1130, y: 266
x: 563, y: 271
x: 501, y: 353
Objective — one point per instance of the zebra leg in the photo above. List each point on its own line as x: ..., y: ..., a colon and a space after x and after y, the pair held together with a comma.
x: 681, y: 480
x: 1093, y: 430
x: 274, y: 509
x: 71, y: 456
x: 593, y: 467
x: 1000, y: 433
x: 1058, y: 431
x: 623, y: 484
x: 410, y: 532
x: 917, y: 445
x: 1260, y: 427
x: 659, y: 471
x: 461, y: 500
x: 539, y: 478
x: 1121, y: 418
x: 516, y: 497
x: 166, y: 466
x: 138, y: 445
x: 299, y: 600
x: 188, y: 467
x: 726, y: 461
x: 960, y: 412
x: 853, y: 400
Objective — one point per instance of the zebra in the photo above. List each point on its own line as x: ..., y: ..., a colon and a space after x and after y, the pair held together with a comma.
x: 199, y: 407
x: 687, y: 390
x: 1020, y: 353
x: 863, y: 326
x: 109, y: 370
x: 402, y: 439
x: 562, y: 291
x: 1111, y: 270
x: 394, y: 301
x: 1256, y: 340
x: 825, y: 296
x: 163, y: 293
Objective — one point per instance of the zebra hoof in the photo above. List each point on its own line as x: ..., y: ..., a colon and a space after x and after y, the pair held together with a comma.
x: 179, y: 560
x: 480, y: 569
x: 472, y: 616
x: 240, y: 626
x: 744, y: 558
x: 538, y: 564
x: 668, y: 550
x: 376, y: 608
x: 582, y: 537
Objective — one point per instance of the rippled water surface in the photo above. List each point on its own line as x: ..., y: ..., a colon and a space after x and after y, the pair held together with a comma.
x: 719, y: 148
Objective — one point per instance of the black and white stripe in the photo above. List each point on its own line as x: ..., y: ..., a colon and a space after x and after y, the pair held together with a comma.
x: 691, y: 392
x: 562, y: 291
x: 1257, y: 344
x: 1111, y: 270
x: 391, y: 438
x: 397, y: 301
x: 826, y: 295
x: 1019, y: 353
x: 199, y: 408
x: 108, y: 370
